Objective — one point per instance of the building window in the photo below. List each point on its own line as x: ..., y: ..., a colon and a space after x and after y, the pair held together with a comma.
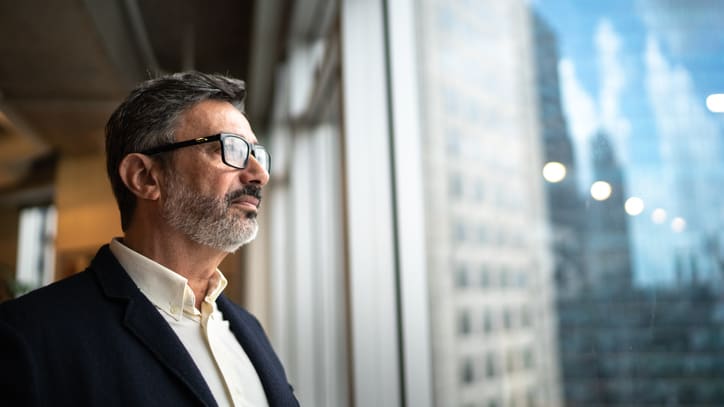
x: 484, y: 276
x: 456, y: 186
x: 465, y: 322
x: 507, y: 319
x: 510, y: 361
x: 467, y: 371
x: 462, y: 279
x: 459, y: 231
x: 528, y: 359
x: 487, y: 321
x: 504, y: 277
x: 490, y: 366
x: 525, y: 317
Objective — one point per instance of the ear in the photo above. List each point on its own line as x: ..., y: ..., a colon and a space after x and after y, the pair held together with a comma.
x: 141, y: 176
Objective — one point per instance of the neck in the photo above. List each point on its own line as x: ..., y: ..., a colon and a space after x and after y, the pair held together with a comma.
x: 195, y: 262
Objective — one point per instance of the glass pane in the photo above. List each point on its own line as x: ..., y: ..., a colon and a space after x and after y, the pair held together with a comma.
x: 36, y: 250
x: 575, y: 163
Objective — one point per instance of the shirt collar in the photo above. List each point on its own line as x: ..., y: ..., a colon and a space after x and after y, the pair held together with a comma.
x: 165, y: 288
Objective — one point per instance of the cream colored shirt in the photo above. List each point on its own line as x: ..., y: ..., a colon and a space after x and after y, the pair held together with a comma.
x: 225, y: 366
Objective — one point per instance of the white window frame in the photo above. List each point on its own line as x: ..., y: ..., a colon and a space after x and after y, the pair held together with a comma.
x: 385, y: 229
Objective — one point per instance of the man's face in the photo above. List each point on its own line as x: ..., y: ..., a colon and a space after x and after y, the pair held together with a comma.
x: 211, y: 203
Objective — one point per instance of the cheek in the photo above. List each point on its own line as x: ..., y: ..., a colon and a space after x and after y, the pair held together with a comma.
x: 220, y: 185
x: 210, y: 177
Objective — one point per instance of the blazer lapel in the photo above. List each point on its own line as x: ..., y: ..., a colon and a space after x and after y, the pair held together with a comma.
x: 154, y: 332
x: 252, y: 339
x: 145, y: 322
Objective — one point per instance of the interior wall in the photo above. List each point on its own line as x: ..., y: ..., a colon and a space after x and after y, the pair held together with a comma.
x: 9, y: 218
x: 232, y: 267
x: 87, y: 213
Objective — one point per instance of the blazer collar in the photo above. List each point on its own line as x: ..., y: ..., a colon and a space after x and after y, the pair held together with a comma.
x: 144, y: 321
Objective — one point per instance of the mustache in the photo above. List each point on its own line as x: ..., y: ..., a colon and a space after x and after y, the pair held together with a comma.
x: 250, y: 190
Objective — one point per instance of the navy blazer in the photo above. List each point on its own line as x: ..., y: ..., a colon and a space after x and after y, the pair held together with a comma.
x: 94, y: 339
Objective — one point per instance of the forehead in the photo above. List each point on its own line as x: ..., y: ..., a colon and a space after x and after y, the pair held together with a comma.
x: 212, y: 117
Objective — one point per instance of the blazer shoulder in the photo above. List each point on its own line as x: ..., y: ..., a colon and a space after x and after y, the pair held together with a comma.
x: 59, y: 293
x: 76, y: 295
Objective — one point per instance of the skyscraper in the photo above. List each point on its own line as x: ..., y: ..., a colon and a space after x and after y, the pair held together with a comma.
x: 607, y: 246
x: 490, y: 270
x: 564, y: 204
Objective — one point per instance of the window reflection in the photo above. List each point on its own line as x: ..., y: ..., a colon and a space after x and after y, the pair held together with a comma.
x: 585, y: 159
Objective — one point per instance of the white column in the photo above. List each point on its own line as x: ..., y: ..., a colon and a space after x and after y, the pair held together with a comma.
x: 409, y: 199
x: 369, y: 205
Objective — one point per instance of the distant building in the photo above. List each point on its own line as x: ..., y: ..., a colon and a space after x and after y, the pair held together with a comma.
x: 607, y: 245
x: 491, y: 289
x: 565, y: 206
x: 647, y: 347
x: 621, y: 345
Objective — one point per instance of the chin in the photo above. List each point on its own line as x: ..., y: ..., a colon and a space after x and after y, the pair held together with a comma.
x: 246, y: 236
x: 232, y: 249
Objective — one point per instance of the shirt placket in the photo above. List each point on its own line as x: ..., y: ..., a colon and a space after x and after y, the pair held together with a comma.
x: 212, y: 326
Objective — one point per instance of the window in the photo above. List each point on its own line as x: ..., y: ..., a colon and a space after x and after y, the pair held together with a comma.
x: 36, y: 243
x: 588, y: 154
x: 562, y: 151
x: 504, y: 277
x: 465, y: 322
x: 490, y: 366
x: 528, y: 358
x: 487, y: 321
x: 468, y: 373
x: 507, y: 319
x: 459, y: 231
x: 456, y: 186
x: 304, y: 220
x: 484, y: 276
x: 525, y: 317
x: 462, y: 279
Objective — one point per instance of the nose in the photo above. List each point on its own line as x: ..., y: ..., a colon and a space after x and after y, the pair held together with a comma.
x: 254, y: 173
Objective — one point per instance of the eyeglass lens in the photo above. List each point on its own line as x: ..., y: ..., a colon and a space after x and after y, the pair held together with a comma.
x: 236, y: 153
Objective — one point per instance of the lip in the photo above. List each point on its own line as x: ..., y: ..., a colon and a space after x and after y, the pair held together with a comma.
x: 247, y: 201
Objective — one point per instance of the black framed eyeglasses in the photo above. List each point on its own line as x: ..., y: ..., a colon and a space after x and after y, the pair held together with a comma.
x: 235, y: 150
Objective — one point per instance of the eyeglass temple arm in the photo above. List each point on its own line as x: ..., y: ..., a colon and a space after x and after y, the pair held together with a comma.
x: 174, y: 146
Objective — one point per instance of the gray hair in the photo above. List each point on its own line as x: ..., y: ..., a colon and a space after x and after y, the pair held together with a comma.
x: 148, y: 118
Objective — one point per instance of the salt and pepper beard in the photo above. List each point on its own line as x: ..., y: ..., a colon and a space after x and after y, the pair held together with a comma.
x: 209, y: 220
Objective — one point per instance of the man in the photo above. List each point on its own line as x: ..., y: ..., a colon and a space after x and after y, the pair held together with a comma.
x: 146, y: 323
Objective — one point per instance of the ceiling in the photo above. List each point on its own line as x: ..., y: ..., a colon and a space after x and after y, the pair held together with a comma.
x: 66, y: 64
